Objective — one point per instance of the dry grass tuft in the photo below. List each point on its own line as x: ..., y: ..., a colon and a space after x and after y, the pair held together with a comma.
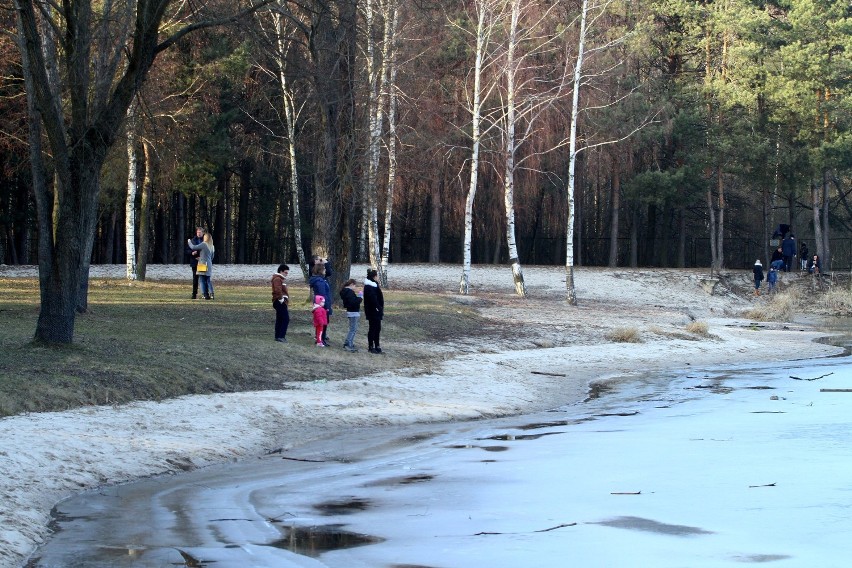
x: 624, y: 335
x: 698, y: 328
x: 837, y: 300
x: 779, y: 307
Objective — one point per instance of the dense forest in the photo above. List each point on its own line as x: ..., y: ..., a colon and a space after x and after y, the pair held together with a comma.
x: 350, y: 128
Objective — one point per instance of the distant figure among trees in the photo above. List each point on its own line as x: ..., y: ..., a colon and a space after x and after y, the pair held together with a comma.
x: 788, y: 249
x: 803, y: 255
x: 815, y: 265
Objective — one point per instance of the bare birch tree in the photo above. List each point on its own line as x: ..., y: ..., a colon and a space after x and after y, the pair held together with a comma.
x: 290, y: 115
x: 572, y: 154
x: 589, y: 16
x: 486, y: 19
x: 392, y: 46
x: 527, y: 96
x: 375, y: 118
x: 132, y: 192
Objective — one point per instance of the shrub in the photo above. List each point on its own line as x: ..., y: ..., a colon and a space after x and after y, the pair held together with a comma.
x: 698, y: 328
x: 624, y: 335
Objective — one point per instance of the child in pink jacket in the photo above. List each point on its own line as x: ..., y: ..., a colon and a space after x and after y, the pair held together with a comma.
x: 320, y: 318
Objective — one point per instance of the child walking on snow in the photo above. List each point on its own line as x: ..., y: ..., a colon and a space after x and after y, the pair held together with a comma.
x: 320, y: 318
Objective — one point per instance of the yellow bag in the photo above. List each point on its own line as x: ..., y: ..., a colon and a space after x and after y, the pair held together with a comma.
x: 201, y: 268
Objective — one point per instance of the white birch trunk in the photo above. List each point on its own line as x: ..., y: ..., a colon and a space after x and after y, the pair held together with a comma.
x: 509, y: 181
x: 391, y: 15
x: 571, y: 292
x: 464, y: 284
x: 132, y: 190
x: 290, y: 117
x: 375, y: 112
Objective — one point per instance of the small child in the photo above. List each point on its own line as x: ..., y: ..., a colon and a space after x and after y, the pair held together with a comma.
x: 772, y: 278
x: 320, y: 318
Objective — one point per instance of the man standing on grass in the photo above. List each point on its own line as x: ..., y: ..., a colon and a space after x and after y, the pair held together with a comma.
x: 193, y: 259
x: 280, y: 300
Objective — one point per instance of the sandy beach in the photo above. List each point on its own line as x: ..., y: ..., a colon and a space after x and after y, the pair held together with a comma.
x: 549, y: 360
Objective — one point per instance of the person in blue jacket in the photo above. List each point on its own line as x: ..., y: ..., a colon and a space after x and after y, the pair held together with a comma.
x: 772, y: 279
x: 319, y: 287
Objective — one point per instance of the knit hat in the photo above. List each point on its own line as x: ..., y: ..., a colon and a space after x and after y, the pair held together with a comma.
x: 319, y: 300
x: 757, y: 262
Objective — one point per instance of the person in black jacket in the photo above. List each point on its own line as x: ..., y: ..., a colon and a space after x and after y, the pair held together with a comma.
x: 758, y: 276
x: 352, y: 304
x: 374, y: 307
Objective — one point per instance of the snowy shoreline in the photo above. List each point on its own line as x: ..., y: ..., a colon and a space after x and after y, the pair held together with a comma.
x: 49, y: 457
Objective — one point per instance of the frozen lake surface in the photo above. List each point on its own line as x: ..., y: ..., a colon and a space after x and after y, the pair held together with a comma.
x: 707, y: 468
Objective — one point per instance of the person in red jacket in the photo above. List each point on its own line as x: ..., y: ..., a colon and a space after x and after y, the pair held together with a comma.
x: 320, y: 318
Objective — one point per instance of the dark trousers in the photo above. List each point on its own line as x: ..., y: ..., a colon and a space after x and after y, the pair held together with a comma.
x: 282, y: 319
x: 194, y: 279
x: 373, y: 332
x: 788, y: 262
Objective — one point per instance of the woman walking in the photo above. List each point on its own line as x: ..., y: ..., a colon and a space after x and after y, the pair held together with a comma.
x: 374, y: 307
x: 205, y: 264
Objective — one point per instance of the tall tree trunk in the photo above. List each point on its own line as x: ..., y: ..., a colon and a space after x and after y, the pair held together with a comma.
x: 435, y: 222
x: 509, y: 157
x: 825, y: 257
x: 375, y: 118
x: 180, y: 234
x: 109, y: 249
x: 720, y: 228
x: 288, y: 97
x: 571, y: 292
x: 634, y: 237
x: 243, y: 213
x: 132, y: 191
x: 816, y: 207
x: 481, y: 44
x: 145, y: 211
x: 615, y: 205
x: 714, y: 254
x: 389, y: 87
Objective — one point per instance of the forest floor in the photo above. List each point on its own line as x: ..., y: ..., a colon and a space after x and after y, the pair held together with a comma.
x: 446, y: 357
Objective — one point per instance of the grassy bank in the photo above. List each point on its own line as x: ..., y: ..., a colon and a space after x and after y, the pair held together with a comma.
x: 147, y: 341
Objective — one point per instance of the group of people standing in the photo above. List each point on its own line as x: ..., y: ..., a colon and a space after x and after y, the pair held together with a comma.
x: 200, y: 251
x: 782, y: 261
x: 322, y: 309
